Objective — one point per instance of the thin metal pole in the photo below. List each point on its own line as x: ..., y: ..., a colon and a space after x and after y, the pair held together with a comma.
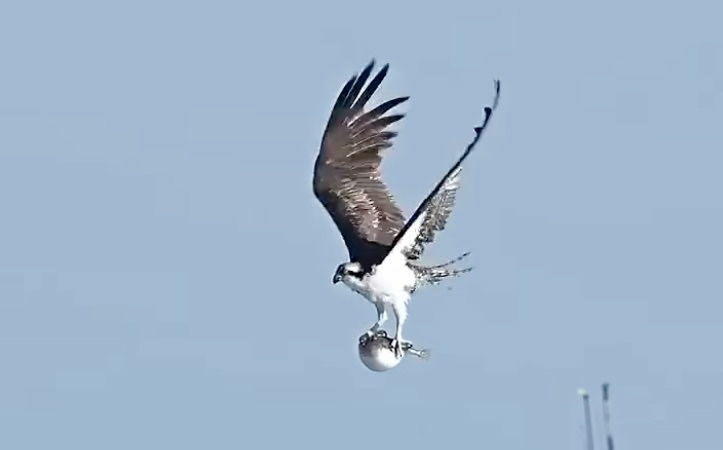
x: 588, y: 418
x: 606, y: 415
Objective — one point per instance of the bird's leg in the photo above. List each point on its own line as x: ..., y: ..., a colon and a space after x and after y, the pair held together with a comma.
x: 400, y: 312
x: 381, y: 318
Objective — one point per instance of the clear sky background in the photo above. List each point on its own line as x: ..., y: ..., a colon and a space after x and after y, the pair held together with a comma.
x: 165, y: 271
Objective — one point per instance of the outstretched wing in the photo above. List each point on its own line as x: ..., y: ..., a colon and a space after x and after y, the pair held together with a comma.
x: 347, y: 180
x: 436, y: 214
x: 431, y: 216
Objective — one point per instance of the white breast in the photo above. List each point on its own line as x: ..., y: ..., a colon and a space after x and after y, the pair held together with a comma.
x: 361, y: 287
x: 390, y: 282
x: 392, y: 279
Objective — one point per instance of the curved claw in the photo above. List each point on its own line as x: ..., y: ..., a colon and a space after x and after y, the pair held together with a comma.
x: 365, y: 338
x: 398, y: 348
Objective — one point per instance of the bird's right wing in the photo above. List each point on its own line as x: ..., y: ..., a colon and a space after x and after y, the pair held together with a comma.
x: 347, y: 180
x: 431, y: 216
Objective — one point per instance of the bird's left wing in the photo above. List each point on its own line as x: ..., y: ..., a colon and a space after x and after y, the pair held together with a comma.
x: 347, y: 180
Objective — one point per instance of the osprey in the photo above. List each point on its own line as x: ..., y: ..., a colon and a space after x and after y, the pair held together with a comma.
x: 383, y: 247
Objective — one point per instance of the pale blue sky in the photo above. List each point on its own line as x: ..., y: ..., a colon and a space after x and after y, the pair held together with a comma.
x: 165, y: 271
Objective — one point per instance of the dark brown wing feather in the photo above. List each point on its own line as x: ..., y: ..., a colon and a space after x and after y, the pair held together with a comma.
x: 347, y: 180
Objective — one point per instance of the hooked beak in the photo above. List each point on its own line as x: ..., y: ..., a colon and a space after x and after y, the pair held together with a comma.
x: 338, y: 275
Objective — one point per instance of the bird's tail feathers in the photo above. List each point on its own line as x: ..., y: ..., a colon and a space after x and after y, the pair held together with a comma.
x: 439, y: 272
x: 449, y: 263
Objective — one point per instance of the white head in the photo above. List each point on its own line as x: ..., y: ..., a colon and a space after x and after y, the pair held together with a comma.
x: 351, y: 271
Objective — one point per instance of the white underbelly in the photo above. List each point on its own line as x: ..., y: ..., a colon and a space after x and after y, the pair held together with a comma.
x: 391, y: 282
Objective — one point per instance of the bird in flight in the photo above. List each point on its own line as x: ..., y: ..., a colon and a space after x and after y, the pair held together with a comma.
x: 384, y: 248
